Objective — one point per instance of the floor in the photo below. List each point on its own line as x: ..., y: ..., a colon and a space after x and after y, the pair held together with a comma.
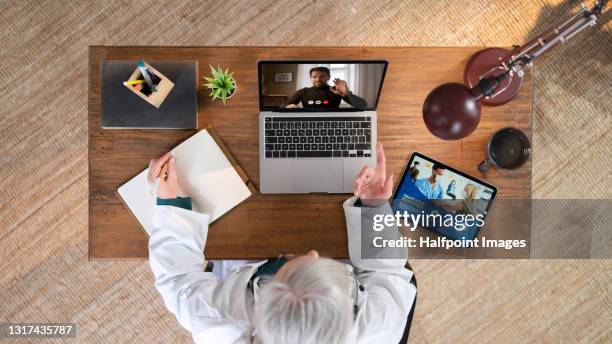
x: 45, y: 275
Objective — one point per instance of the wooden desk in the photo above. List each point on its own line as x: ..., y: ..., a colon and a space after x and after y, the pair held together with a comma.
x: 267, y: 225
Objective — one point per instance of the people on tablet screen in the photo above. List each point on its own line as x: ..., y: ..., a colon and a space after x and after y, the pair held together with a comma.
x: 414, y: 171
x: 322, y: 95
x: 430, y: 187
x: 469, y: 194
x: 450, y: 191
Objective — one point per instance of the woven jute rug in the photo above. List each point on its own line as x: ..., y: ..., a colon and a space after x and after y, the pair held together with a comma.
x: 45, y: 275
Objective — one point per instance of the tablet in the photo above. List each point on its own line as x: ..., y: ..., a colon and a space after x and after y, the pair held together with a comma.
x: 441, y: 199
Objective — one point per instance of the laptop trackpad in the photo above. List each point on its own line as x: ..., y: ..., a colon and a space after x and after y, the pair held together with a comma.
x: 311, y: 175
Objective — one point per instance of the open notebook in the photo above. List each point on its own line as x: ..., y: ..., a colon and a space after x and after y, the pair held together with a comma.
x: 205, y: 174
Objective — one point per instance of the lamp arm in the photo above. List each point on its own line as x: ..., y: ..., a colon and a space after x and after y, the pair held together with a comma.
x: 560, y: 33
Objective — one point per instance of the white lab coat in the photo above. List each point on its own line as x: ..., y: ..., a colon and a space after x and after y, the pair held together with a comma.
x: 220, y: 310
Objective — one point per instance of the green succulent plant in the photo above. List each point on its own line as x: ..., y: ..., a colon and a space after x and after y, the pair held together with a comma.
x: 222, y: 83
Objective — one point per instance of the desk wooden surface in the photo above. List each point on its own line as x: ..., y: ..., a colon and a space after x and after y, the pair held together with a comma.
x: 267, y: 225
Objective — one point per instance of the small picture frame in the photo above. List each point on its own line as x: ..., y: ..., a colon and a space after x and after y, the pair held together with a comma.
x: 283, y: 77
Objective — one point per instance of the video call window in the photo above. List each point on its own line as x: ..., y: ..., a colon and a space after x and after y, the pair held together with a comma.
x: 321, y: 86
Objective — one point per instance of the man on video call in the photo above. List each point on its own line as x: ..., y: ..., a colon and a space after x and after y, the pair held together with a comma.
x: 321, y: 95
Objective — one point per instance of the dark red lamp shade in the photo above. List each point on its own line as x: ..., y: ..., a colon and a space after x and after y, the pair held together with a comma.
x: 451, y: 111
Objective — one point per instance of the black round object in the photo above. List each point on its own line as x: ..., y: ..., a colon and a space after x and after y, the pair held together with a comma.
x: 509, y: 148
x: 451, y: 112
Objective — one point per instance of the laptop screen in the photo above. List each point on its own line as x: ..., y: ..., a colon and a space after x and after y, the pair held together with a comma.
x: 320, y: 85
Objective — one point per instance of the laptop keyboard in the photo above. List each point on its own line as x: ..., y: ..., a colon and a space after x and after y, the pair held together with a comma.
x: 318, y: 137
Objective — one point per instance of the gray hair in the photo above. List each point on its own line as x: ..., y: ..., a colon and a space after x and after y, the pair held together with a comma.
x: 308, y: 304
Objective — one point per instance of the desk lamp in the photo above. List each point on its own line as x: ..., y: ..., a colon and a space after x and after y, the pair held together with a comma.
x: 493, y: 77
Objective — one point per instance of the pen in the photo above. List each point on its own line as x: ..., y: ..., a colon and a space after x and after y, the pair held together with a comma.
x: 145, y: 74
x: 133, y: 82
x: 162, y: 175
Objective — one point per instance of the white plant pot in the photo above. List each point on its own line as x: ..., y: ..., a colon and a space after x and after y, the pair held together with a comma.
x: 234, y: 92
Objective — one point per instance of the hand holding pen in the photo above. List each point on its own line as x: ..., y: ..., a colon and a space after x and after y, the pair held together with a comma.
x: 162, y: 176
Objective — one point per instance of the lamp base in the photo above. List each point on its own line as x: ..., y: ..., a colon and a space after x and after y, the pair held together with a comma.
x: 481, y: 63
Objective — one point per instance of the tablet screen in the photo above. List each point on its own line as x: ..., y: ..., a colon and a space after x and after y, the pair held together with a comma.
x: 449, y: 202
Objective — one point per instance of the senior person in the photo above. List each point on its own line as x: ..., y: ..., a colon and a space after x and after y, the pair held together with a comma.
x: 306, y: 299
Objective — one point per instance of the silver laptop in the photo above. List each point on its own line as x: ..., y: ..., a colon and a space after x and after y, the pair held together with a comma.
x: 317, y: 123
